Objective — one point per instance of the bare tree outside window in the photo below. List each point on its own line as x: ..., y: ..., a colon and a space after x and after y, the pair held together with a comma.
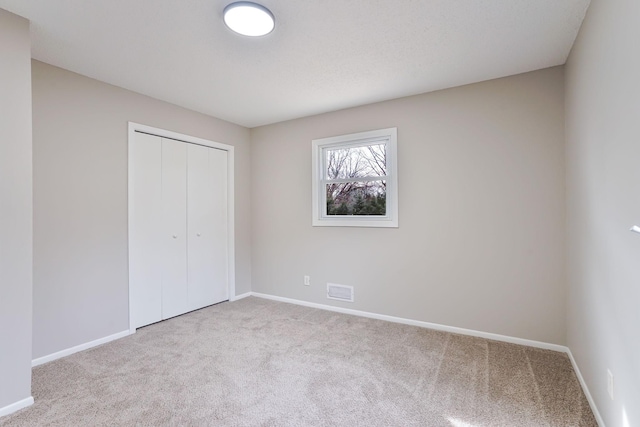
x: 357, y: 183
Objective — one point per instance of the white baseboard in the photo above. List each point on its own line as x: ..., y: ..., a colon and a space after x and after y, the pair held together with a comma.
x: 85, y: 346
x: 470, y: 332
x: 436, y: 326
x: 21, y: 404
x: 241, y: 296
x: 455, y: 330
x: 585, y: 389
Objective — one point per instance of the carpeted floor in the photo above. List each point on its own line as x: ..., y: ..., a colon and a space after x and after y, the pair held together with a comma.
x: 256, y: 362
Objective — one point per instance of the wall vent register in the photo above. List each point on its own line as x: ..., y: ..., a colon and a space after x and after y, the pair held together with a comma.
x: 339, y: 292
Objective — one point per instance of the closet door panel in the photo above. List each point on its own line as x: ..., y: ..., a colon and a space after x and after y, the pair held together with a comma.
x: 174, y: 228
x: 219, y: 237
x: 207, y: 282
x: 145, y: 272
x: 199, y: 217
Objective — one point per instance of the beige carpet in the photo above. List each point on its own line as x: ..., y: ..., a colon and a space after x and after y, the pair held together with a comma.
x: 255, y: 362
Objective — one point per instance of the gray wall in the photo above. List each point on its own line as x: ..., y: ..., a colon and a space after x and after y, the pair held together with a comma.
x: 603, y: 188
x: 15, y: 209
x: 481, y: 241
x: 80, y: 201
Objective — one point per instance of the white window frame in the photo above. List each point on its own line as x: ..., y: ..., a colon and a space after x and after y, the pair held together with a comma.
x: 319, y: 204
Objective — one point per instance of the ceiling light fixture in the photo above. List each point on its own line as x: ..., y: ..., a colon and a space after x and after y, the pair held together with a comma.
x: 249, y: 19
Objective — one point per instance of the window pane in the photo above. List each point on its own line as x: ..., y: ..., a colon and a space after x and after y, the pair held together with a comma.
x: 356, y: 162
x: 357, y: 198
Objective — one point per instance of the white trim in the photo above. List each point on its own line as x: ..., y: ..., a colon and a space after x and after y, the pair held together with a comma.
x: 20, y: 404
x: 239, y: 297
x: 81, y: 347
x: 231, y: 222
x: 585, y: 389
x: 231, y: 245
x: 318, y: 201
x: 455, y: 330
x: 436, y: 326
x: 132, y: 132
x: 137, y: 127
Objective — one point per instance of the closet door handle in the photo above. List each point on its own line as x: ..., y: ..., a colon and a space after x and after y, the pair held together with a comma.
x: 175, y: 236
x: 198, y: 234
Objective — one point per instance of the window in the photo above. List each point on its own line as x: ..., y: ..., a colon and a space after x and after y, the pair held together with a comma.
x: 355, y: 180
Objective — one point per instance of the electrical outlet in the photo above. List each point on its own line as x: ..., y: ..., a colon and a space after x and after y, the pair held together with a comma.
x: 610, y: 383
x: 307, y: 281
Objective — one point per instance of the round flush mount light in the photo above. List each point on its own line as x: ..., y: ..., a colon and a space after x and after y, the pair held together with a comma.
x: 249, y: 19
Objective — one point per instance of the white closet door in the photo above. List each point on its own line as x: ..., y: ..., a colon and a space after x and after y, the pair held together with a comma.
x: 207, y: 226
x: 145, y: 254
x: 174, y: 228
x: 219, y: 240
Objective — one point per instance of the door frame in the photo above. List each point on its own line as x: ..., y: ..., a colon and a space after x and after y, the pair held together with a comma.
x: 231, y: 270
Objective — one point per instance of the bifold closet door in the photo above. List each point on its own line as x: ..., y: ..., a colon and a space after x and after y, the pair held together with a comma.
x: 178, y: 258
x: 145, y: 224
x: 206, y: 226
x: 174, y: 228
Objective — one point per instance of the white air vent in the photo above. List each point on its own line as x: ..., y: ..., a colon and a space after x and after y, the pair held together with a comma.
x: 340, y: 292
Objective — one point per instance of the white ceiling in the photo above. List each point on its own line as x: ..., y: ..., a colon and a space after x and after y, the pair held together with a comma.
x: 323, y: 55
